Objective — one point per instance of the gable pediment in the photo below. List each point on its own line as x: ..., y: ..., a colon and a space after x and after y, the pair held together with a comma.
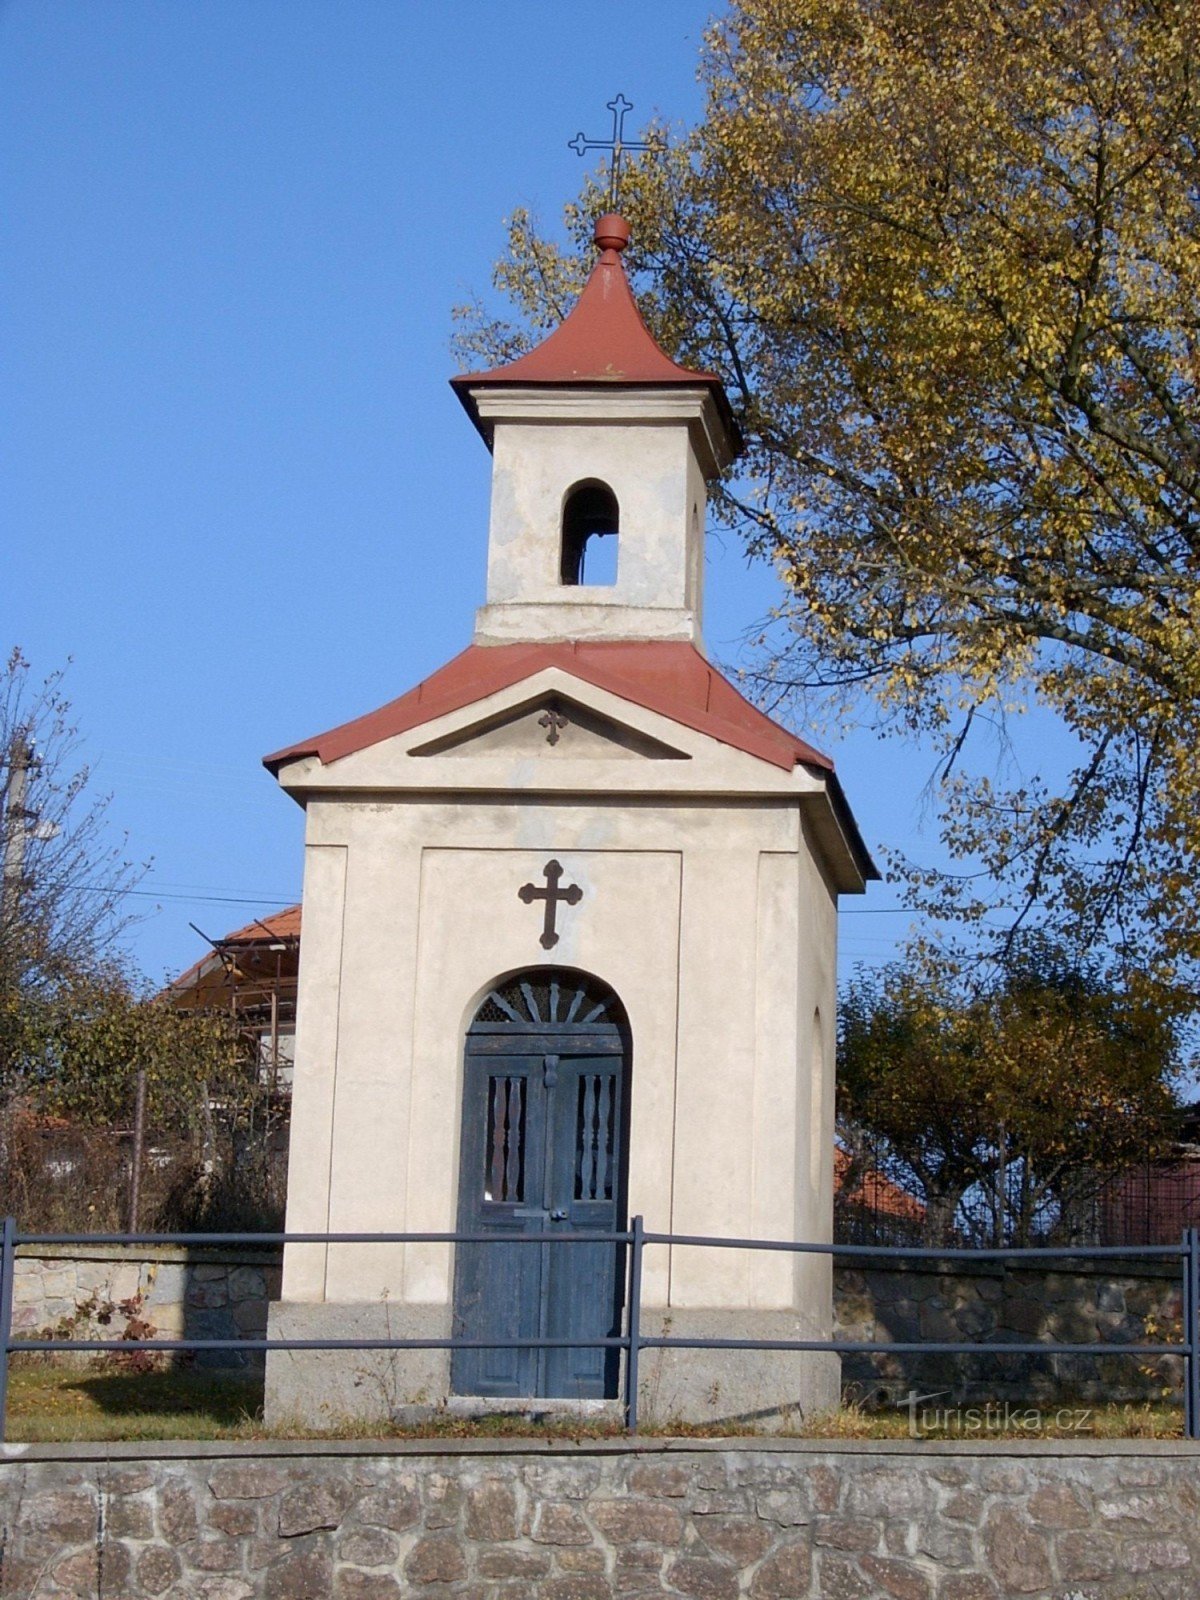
x: 499, y: 742
x: 554, y: 727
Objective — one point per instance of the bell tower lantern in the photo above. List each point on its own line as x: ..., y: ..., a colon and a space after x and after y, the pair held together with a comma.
x: 602, y: 451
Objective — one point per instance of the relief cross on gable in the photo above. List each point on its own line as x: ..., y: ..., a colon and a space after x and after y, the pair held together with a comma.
x: 553, y: 721
x: 556, y: 728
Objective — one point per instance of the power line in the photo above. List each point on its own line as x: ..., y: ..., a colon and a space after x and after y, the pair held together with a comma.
x: 879, y: 911
x: 164, y: 894
x: 217, y: 899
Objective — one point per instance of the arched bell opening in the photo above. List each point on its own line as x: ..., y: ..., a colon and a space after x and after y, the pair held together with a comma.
x: 591, y: 525
x: 544, y: 1150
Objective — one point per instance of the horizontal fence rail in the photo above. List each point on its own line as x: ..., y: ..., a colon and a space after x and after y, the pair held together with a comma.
x: 632, y: 1341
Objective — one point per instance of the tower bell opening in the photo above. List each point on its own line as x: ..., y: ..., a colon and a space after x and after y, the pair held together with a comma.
x: 590, y: 527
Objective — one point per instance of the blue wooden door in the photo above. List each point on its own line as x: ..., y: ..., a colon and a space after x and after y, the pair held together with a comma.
x: 543, y: 1137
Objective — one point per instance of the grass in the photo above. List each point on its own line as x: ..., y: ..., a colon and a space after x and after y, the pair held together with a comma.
x: 52, y: 1404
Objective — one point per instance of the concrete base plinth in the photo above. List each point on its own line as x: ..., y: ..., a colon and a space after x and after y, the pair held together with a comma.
x: 766, y: 1390
x: 322, y: 1388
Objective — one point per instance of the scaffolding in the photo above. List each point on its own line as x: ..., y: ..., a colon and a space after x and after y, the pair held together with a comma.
x: 251, y: 974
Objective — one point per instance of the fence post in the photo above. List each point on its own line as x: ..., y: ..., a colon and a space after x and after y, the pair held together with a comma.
x: 634, y: 1323
x: 8, y: 1238
x: 1191, y: 1332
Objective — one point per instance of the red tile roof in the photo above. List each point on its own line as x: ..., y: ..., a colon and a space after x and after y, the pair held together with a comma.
x: 603, y: 340
x: 279, y: 925
x: 264, y: 931
x: 874, y: 1190
x: 671, y: 678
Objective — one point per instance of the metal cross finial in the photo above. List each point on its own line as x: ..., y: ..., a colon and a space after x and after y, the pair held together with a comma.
x: 618, y: 144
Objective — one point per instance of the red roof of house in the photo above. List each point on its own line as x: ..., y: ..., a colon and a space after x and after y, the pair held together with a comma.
x: 671, y: 678
x: 279, y: 925
x: 603, y: 340
x: 874, y: 1190
x: 263, y: 931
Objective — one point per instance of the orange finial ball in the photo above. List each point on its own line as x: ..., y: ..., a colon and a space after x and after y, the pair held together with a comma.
x: 612, y: 232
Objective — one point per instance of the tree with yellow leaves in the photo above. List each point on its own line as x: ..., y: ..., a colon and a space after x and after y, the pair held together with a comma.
x: 1003, y: 1107
x: 947, y: 258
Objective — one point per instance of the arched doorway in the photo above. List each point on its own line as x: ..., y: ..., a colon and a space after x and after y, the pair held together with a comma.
x: 543, y: 1149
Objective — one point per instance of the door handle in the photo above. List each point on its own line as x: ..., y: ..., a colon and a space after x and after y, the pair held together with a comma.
x: 558, y: 1216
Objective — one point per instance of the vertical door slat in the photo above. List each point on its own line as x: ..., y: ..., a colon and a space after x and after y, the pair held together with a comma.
x: 604, y: 1123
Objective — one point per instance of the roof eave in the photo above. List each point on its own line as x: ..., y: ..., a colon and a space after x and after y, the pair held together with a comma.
x: 841, y: 841
x: 465, y: 384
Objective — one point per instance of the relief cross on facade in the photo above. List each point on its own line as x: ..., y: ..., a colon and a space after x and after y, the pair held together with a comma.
x: 553, y: 896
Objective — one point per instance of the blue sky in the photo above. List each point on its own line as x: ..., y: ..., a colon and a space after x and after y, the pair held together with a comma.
x: 236, y: 488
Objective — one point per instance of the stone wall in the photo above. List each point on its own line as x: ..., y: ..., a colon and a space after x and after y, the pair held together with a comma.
x: 802, y: 1520
x: 1111, y: 1301
x: 101, y: 1292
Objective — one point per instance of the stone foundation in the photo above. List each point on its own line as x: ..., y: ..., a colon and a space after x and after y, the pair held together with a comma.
x: 715, y: 1520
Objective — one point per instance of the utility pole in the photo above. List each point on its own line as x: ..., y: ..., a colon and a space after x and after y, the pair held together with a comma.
x: 16, y: 825
x: 15, y: 828
x: 139, y: 1141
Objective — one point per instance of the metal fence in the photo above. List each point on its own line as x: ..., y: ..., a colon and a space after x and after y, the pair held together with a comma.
x: 631, y: 1340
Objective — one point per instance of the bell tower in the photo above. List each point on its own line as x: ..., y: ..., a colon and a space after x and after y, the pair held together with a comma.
x: 602, y: 451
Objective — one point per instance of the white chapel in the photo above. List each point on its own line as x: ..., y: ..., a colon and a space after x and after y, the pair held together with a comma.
x: 569, y: 945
